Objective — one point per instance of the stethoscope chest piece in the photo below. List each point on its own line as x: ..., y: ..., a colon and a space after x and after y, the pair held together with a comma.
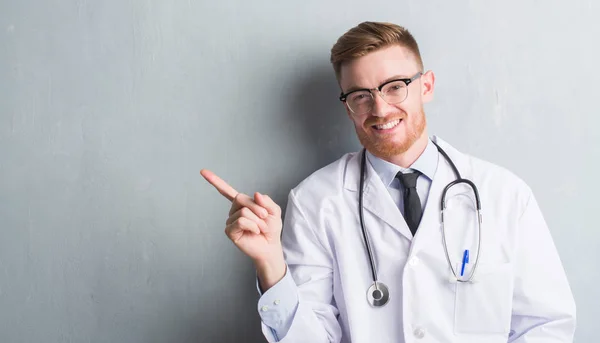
x: 378, y: 294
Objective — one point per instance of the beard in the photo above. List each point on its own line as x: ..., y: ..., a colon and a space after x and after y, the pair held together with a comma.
x: 387, y: 146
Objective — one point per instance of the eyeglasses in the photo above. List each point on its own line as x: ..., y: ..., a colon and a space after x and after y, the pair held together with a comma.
x: 361, y: 101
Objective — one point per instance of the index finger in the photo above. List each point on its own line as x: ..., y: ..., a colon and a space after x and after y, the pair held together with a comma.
x: 223, y: 187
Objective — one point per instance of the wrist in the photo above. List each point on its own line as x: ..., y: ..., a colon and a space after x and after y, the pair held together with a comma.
x: 270, y: 271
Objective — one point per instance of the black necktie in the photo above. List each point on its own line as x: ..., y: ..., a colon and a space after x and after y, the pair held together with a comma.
x: 412, y: 203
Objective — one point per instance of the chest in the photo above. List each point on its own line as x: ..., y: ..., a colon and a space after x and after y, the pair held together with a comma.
x: 417, y: 270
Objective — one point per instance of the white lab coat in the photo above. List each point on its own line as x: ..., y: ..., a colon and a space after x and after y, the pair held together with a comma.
x: 520, y: 295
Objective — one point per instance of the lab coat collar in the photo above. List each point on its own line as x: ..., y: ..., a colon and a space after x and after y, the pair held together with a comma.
x: 426, y: 164
x: 352, y: 173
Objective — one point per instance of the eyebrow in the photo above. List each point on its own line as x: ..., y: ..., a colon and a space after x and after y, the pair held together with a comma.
x: 395, y: 77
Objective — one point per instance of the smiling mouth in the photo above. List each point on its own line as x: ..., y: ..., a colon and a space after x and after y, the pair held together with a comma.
x: 388, y: 125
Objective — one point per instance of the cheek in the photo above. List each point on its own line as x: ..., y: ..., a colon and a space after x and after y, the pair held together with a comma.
x: 359, y: 122
x: 403, y: 109
x: 410, y: 110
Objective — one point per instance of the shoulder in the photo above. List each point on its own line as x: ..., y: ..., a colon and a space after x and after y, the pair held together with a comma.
x: 327, y: 181
x: 502, y: 187
x: 496, y: 182
x: 317, y: 196
x: 494, y: 174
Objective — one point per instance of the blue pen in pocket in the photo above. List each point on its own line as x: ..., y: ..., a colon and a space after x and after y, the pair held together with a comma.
x: 464, y: 262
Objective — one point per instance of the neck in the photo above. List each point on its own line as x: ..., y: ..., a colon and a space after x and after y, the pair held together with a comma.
x: 407, y: 158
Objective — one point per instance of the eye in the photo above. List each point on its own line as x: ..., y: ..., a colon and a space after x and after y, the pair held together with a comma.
x: 393, y: 88
x: 360, y: 97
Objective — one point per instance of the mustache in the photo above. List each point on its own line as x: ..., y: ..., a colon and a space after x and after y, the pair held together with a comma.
x: 378, y: 120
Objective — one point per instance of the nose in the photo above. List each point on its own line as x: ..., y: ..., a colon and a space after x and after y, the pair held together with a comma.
x: 380, y: 106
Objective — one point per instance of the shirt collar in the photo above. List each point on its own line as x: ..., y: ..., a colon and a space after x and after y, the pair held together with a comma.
x: 426, y: 164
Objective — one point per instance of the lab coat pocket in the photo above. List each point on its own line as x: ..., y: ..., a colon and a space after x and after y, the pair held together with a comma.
x: 484, y: 305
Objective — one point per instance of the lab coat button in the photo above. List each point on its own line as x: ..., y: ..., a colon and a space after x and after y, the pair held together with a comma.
x: 276, y: 302
x: 264, y: 308
x: 419, y: 333
x: 414, y: 261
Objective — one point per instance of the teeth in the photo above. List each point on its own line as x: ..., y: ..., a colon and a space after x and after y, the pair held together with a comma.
x: 388, y: 125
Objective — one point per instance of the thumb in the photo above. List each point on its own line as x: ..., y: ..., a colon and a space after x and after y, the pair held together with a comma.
x: 268, y: 203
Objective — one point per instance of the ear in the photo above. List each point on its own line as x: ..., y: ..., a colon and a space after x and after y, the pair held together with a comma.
x: 427, y: 86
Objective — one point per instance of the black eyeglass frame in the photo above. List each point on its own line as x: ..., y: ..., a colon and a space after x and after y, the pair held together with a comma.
x: 407, y: 82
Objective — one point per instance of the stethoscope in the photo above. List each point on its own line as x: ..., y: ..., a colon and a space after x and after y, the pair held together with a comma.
x: 378, y: 294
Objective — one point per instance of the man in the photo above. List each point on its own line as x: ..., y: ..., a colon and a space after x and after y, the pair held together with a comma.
x: 450, y: 279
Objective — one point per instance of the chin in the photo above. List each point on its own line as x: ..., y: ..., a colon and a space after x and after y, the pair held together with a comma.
x: 388, y: 148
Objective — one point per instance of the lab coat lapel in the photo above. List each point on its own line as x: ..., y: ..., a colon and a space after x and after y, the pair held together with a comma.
x: 378, y: 201
x: 430, y: 224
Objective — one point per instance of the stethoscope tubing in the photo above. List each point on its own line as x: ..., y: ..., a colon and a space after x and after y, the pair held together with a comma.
x: 376, y: 284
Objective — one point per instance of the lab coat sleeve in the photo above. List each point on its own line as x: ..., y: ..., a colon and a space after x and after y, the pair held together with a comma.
x: 543, y: 305
x: 311, y: 267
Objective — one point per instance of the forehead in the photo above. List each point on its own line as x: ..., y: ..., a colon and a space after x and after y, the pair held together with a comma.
x: 374, y: 68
